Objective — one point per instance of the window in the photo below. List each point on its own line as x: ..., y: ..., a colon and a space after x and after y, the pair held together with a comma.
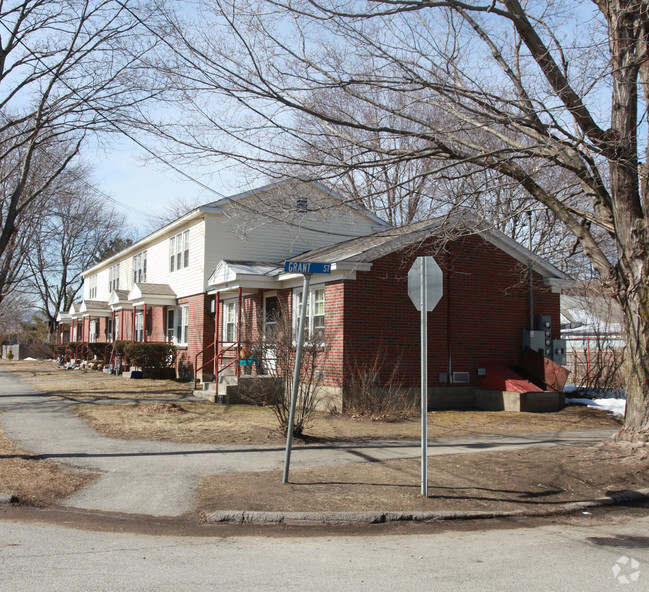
x: 171, y: 328
x: 179, y: 251
x: 178, y: 324
x: 117, y: 335
x: 92, y: 287
x: 94, y: 330
x: 272, y: 314
x: 113, y: 278
x: 315, y: 314
x: 139, y: 268
x: 230, y: 321
x: 109, y: 330
x: 139, y: 326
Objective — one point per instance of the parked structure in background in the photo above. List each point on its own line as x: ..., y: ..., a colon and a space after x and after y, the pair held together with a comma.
x: 592, y: 326
x: 213, y: 283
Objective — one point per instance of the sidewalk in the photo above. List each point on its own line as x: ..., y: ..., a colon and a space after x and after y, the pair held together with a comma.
x: 160, y: 478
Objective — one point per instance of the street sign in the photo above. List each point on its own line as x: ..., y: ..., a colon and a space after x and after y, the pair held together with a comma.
x: 434, y: 283
x: 306, y: 267
x: 425, y: 289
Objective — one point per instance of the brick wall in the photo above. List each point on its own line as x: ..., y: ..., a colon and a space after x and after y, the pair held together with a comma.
x: 481, y: 316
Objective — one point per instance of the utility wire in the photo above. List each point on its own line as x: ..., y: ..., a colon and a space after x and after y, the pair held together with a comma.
x: 156, y: 155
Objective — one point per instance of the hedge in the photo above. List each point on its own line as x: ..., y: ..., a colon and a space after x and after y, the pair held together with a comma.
x: 151, y: 355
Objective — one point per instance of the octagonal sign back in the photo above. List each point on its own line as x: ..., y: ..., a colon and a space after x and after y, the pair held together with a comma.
x: 434, y: 282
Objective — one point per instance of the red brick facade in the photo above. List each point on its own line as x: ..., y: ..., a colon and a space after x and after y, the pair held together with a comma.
x: 481, y: 316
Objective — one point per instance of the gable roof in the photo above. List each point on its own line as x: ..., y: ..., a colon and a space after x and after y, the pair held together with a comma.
x: 285, y: 183
x: 368, y: 248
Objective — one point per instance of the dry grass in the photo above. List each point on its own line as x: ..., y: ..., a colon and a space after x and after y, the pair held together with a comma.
x: 524, y: 479
x: 243, y: 424
x: 90, y: 385
x: 35, y: 481
x: 204, y: 422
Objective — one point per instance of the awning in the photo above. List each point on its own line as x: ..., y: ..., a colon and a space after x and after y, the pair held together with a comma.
x: 152, y: 295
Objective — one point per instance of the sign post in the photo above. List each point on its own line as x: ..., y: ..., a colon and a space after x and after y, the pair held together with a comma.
x: 425, y: 289
x: 305, y: 268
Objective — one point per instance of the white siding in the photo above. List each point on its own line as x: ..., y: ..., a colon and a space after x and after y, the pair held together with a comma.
x: 185, y: 282
x: 243, y: 234
x: 263, y: 227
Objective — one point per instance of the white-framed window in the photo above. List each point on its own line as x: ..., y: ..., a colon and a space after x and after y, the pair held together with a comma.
x: 117, y: 321
x: 139, y: 268
x: 109, y: 330
x: 92, y: 287
x: 315, y: 314
x: 94, y: 330
x: 272, y: 313
x: 113, y: 277
x: 178, y: 324
x: 179, y: 251
x: 229, y: 321
x: 139, y: 326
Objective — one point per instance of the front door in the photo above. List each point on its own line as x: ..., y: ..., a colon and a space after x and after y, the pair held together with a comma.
x: 271, y: 318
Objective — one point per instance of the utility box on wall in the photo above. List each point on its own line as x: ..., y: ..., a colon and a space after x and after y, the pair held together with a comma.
x: 541, y: 342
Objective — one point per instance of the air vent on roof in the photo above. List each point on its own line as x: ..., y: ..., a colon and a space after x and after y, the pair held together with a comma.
x: 302, y: 205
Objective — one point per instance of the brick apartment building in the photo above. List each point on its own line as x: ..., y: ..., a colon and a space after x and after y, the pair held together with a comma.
x: 216, y: 276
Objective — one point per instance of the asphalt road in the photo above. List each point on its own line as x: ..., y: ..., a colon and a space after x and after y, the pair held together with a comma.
x: 585, y: 553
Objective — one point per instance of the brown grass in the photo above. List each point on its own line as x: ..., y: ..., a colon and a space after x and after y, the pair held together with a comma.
x: 204, y: 422
x: 91, y: 385
x: 524, y: 479
x: 35, y: 481
x: 243, y: 424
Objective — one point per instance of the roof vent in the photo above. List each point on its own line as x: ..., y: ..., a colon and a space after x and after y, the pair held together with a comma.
x: 302, y: 205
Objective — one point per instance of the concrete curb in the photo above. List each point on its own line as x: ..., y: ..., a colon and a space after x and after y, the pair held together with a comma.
x: 362, y: 518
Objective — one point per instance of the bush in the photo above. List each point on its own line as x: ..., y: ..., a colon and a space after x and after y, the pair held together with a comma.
x: 374, y: 390
x: 151, y: 355
x: 97, y: 349
x: 119, y: 347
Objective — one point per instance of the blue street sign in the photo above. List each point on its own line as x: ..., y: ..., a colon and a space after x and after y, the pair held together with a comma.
x: 306, y: 267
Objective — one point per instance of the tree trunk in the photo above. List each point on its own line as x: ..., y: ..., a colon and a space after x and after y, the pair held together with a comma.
x: 636, y: 312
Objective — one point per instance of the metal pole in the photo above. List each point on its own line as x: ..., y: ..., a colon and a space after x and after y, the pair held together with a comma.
x: 296, y: 377
x: 424, y: 377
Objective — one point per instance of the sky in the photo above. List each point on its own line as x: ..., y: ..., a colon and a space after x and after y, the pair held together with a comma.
x: 123, y: 172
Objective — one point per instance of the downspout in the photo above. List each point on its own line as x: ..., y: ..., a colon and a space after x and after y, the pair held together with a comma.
x: 448, y: 317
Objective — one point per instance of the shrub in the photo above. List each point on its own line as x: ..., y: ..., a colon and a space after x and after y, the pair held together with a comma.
x: 97, y: 349
x: 374, y: 390
x: 151, y: 355
x: 119, y: 347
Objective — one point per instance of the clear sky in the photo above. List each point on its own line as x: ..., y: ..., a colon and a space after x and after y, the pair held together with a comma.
x: 123, y: 172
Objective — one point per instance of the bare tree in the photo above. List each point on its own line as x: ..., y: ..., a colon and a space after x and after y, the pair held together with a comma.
x: 538, y: 93
x: 73, y: 230
x: 69, y: 69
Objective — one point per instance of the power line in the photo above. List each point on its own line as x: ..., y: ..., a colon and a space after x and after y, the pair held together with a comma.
x: 156, y: 155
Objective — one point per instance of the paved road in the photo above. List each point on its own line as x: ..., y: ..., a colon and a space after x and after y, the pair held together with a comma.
x: 580, y: 555
x: 159, y: 478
